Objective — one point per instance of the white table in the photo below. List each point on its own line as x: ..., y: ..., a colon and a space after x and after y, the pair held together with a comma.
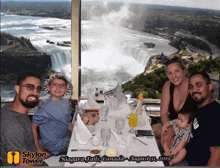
x: 135, y: 148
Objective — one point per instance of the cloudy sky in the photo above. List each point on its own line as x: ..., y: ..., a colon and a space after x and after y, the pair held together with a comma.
x: 208, y: 4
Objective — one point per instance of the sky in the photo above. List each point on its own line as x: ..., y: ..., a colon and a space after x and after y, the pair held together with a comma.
x: 206, y: 4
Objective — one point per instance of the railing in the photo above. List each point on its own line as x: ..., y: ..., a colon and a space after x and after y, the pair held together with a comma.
x: 152, y: 106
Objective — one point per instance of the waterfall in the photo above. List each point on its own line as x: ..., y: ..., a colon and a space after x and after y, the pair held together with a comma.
x: 111, y: 52
x: 138, y: 52
x: 61, y: 62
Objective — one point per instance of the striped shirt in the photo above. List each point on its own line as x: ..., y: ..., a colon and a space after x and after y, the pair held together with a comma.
x: 180, y: 134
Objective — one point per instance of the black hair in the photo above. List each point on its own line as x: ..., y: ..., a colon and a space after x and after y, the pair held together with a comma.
x: 26, y: 74
x: 204, y: 75
x: 175, y: 59
x: 190, y: 111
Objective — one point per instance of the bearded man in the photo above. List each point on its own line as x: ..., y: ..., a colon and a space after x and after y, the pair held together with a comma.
x: 204, y: 148
x: 16, y: 129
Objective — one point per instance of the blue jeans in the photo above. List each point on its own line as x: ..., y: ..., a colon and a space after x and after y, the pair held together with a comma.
x: 182, y: 163
x: 166, y: 163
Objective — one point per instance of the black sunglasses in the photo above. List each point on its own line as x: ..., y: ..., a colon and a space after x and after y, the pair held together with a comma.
x: 31, y: 87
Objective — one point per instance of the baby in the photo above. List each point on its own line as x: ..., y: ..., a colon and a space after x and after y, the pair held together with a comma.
x: 182, y: 129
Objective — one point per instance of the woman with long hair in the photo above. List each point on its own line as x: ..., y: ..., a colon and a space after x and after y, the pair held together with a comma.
x: 175, y: 95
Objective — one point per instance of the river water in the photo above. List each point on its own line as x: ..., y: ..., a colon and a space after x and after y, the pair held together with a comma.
x: 111, y: 54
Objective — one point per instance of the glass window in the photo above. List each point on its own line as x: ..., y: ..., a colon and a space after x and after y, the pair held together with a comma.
x: 114, y: 47
x: 36, y: 36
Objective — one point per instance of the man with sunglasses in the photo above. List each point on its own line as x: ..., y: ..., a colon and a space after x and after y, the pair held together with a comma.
x: 16, y: 130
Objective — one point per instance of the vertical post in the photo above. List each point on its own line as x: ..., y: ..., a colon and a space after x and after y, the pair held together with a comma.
x: 76, y: 48
x: 219, y: 87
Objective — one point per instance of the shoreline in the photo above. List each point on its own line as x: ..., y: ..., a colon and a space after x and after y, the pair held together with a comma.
x: 144, y: 70
x: 149, y: 62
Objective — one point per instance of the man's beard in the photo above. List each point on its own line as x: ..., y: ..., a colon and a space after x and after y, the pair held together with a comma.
x: 198, y: 101
x: 29, y: 104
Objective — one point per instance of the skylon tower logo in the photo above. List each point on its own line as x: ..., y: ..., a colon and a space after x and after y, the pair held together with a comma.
x: 13, y: 157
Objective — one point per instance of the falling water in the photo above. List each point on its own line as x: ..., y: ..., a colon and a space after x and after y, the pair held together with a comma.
x: 111, y: 52
x: 61, y: 62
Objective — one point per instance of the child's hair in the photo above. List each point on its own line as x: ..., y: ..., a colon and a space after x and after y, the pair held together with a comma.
x: 190, y: 112
x: 59, y: 75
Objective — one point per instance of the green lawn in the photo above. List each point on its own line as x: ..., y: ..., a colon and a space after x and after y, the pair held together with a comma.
x: 184, y: 53
x: 200, y: 57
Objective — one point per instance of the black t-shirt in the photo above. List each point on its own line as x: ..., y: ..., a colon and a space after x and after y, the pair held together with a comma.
x: 206, y: 134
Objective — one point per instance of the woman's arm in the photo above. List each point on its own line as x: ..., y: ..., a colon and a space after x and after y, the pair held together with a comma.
x: 165, y: 101
x: 165, y: 127
x: 168, y: 136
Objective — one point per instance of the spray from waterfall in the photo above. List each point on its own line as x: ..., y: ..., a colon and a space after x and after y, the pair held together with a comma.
x: 111, y: 52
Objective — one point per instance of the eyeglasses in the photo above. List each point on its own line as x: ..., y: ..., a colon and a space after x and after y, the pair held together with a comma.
x: 55, y: 85
x: 31, y: 87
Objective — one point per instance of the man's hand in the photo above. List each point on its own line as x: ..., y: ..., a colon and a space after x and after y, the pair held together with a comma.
x: 167, y: 138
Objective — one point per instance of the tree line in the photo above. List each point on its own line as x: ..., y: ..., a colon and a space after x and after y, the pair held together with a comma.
x: 151, y: 84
